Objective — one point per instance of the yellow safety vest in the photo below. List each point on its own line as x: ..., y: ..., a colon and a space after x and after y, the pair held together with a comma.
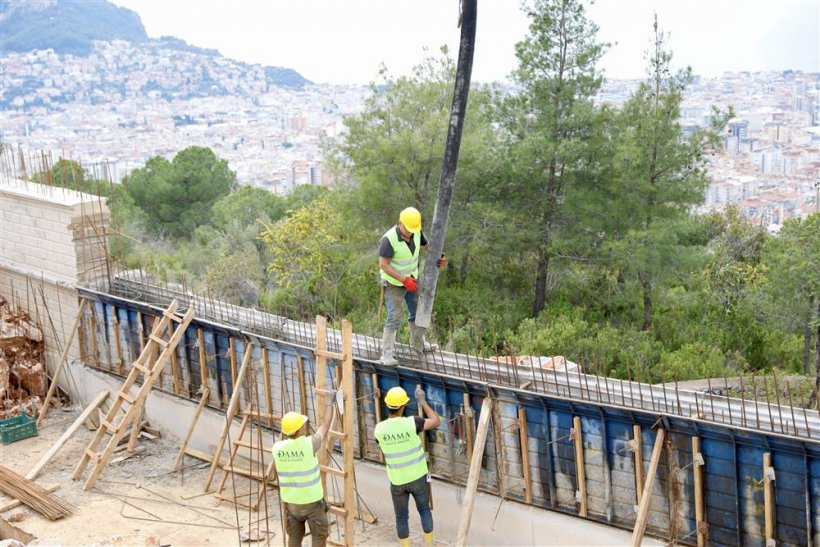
x: 403, y: 452
x: 298, y: 470
x: 403, y: 261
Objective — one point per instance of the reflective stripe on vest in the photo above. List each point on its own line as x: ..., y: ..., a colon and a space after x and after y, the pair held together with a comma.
x: 403, y: 261
x: 298, y: 470
x: 403, y: 451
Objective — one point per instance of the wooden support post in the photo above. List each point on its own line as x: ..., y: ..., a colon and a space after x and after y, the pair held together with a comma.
x: 475, y: 472
x: 768, y: 497
x: 92, y: 320
x: 141, y: 331
x: 525, y: 453
x: 63, y: 358
x: 229, y: 415
x: 580, y: 472
x: 347, y: 423
x: 136, y: 427
x: 181, y: 454
x: 117, y: 344
x: 698, y: 482
x: 426, y: 444
x: 377, y: 404
x: 636, y: 437
x: 300, y: 370
x: 203, y: 366
x: 103, y: 395
x: 175, y: 371
x: 232, y: 354
x: 469, y: 425
x: 268, y: 397
x: 646, y: 497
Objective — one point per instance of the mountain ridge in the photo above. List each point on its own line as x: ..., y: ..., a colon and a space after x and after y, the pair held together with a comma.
x: 72, y: 28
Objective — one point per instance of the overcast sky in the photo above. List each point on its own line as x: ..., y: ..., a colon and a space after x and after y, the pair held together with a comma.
x: 345, y: 41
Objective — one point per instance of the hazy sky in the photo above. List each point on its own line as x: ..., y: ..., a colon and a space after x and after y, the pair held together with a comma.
x: 344, y: 41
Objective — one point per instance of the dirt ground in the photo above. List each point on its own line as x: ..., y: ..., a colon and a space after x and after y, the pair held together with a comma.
x: 139, y: 501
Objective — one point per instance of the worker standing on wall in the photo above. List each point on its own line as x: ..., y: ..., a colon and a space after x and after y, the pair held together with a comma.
x: 400, y: 441
x: 300, y: 483
x: 399, y: 252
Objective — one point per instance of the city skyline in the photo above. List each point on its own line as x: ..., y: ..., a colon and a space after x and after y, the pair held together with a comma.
x: 346, y: 42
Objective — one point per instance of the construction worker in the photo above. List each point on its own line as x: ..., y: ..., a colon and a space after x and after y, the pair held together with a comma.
x: 300, y: 484
x: 399, y: 251
x: 406, y: 461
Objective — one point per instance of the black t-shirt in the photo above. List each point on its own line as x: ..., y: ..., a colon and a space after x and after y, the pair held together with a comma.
x: 386, y: 250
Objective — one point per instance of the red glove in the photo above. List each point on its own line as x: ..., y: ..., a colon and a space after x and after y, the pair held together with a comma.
x: 410, y: 284
x: 441, y: 261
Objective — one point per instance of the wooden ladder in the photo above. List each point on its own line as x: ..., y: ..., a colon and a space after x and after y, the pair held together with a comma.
x: 250, y: 415
x: 346, y: 510
x: 156, y: 353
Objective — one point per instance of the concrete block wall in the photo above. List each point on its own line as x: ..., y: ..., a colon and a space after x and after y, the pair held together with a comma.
x: 51, y: 239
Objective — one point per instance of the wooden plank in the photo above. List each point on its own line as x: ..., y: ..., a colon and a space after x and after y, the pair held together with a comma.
x: 768, y: 497
x: 181, y: 454
x: 232, y: 354
x: 135, y: 429
x: 475, y: 472
x: 698, y: 481
x: 348, y: 380
x: 98, y: 400
x: 646, y: 497
x: 203, y: 366
x: 636, y: 437
x: 229, y: 414
x: 300, y: 370
x: 124, y: 457
x: 268, y: 396
x: 377, y: 403
x: 469, y: 428
x: 580, y: 472
x: 63, y: 358
x: 117, y: 343
x: 92, y: 319
x: 525, y: 453
x: 426, y: 444
x: 175, y: 371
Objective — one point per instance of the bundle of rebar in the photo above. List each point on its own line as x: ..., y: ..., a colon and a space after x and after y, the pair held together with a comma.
x: 33, y: 495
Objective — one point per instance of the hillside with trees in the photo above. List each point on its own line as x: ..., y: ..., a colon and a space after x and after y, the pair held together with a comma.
x: 572, y: 229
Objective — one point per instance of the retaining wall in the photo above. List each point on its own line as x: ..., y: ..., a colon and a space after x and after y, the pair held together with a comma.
x: 732, y: 495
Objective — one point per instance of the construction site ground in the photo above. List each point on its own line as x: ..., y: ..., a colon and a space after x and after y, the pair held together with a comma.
x: 138, y: 501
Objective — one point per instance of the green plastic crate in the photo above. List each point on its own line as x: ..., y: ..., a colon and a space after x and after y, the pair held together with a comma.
x: 17, y: 428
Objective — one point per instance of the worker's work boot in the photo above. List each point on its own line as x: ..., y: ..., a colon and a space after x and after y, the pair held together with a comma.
x: 404, y: 542
x: 428, y: 539
x: 417, y: 340
x: 389, y: 348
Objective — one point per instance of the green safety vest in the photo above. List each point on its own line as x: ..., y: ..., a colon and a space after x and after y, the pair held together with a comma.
x: 403, y: 261
x: 298, y: 471
x: 403, y: 452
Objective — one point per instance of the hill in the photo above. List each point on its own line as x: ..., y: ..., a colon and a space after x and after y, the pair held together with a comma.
x: 64, y: 26
x: 81, y: 29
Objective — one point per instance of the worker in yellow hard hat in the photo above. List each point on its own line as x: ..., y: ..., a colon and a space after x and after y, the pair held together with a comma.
x: 300, y: 484
x: 405, y: 459
x: 399, y: 252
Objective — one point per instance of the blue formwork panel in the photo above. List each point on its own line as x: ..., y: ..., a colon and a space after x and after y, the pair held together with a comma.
x: 733, y: 491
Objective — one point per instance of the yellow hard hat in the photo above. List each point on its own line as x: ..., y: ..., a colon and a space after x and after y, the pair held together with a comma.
x: 396, y: 398
x: 292, y: 421
x: 411, y: 218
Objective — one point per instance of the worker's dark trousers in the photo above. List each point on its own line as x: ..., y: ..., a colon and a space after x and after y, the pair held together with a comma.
x: 401, y: 501
x: 315, y: 514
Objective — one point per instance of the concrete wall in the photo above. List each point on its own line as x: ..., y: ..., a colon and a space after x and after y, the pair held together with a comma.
x: 51, y: 239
